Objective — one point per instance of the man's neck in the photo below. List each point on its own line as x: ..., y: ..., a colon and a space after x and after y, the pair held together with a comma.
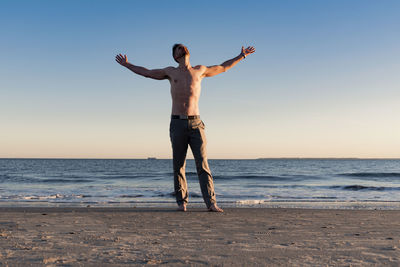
x: 184, y: 63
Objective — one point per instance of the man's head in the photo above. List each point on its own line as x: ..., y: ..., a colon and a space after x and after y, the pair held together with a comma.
x: 178, y: 51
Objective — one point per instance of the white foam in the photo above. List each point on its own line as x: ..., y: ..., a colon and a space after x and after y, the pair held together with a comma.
x: 43, y: 197
x: 252, y: 201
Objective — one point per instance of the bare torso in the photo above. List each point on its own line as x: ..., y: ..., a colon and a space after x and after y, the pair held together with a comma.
x: 185, y: 89
x: 185, y: 80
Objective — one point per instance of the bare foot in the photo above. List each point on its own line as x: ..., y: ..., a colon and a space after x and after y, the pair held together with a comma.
x: 182, y: 207
x: 215, y: 208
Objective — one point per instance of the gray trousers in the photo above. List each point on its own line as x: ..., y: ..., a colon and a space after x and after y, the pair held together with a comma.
x: 184, y: 133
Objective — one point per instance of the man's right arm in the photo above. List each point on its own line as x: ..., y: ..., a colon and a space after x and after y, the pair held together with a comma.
x: 158, y: 74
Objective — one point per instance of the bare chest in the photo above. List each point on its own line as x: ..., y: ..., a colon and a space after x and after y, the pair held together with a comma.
x: 185, y: 82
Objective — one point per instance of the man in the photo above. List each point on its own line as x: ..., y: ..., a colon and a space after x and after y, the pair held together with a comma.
x: 186, y: 128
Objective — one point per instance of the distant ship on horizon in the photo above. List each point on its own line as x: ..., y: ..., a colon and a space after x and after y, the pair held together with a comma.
x: 151, y: 158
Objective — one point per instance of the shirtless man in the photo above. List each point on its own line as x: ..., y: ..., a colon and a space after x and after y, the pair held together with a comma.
x: 186, y: 128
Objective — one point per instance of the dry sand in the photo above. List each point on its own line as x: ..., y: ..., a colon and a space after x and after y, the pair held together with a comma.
x: 237, y: 237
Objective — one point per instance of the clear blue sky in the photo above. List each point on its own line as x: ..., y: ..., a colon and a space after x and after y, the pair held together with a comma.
x: 324, y: 81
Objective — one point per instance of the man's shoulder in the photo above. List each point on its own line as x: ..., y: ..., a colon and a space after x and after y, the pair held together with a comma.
x: 199, y: 67
x: 169, y: 68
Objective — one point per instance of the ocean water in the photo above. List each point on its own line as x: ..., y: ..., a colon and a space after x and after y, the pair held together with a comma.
x: 321, y: 183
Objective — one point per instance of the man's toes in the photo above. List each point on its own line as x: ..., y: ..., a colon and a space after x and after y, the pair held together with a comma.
x: 215, y: 208
x: 182, y: 208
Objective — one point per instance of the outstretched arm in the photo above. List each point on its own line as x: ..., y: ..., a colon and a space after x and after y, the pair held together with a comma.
x: 214, y: 70
x: 158, y: 74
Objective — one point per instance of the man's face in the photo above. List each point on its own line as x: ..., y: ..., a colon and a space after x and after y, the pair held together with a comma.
x: 180, y: 51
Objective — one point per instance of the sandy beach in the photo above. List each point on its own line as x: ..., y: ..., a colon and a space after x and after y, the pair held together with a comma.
x: 160, y: 236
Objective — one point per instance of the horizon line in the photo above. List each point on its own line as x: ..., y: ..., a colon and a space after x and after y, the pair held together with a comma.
x: 155, y: 158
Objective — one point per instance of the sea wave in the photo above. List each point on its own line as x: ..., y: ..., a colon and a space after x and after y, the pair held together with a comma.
x: 131, y: 196
x: 43, y: 197
x: 14, y: 178
x: 172, y: 194
x: 363, y: 187
x: 128, y: 176
x: 58, y: 180
x: 372, y: 174
x: 266, y: 177
x: 252, y: 201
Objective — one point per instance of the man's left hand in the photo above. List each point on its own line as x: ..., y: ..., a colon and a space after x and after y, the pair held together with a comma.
x: 249, y: 50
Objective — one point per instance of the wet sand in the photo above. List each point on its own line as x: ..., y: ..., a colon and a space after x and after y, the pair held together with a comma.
x: 237, y: 237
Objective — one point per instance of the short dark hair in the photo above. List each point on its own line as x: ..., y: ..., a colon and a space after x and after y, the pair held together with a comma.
x: 175, y: 46
x: 173, y: 50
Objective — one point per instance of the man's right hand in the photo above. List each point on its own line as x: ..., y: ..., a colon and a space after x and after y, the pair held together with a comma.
x: 122, y: 59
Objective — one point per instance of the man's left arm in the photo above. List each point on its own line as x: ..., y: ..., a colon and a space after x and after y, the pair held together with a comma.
x: 217, y: 69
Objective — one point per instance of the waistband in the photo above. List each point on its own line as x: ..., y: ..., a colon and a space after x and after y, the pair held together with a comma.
x: 185, y: 117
